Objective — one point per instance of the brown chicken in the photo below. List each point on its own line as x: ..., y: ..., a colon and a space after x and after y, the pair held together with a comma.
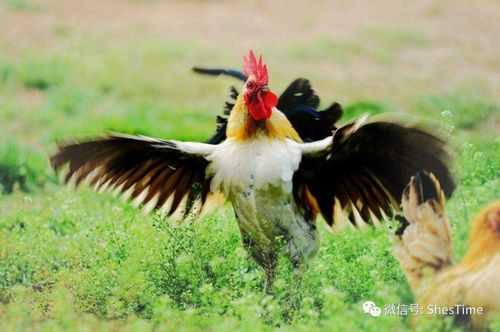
x: 468, y: 290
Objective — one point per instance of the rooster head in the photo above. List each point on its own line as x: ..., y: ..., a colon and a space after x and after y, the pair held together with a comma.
x: 257, y: 96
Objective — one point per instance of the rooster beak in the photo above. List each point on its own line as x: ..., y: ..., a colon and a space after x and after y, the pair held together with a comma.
x: 264, y: 88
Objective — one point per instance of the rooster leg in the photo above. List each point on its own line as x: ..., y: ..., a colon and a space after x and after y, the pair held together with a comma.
x: 302, y: 244
x: 264, y: 255
x: 291, y: 302
x: 270, y: 272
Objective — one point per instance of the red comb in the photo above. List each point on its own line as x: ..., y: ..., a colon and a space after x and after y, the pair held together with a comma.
x: 252, y: 67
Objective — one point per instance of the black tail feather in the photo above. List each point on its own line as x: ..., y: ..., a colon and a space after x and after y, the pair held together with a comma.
x: 221, y: 71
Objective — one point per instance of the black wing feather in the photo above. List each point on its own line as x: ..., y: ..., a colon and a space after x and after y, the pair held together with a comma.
x: 368, y: 168
x: 136, y: 163
x: 299, y: 92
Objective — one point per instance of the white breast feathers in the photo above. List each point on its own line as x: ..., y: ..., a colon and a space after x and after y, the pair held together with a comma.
x: 258, y: 162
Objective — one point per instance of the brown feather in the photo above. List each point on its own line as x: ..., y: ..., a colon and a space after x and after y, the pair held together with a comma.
x: 146, y: 166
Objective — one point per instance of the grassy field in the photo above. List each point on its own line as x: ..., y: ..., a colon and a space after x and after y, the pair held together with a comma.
x: 76, y: 260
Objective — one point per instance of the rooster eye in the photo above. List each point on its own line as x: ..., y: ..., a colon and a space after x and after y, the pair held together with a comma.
x: 250, y: 85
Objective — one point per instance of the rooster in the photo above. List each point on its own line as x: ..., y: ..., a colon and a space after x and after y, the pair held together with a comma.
x: 423, y: 248
x: 258, y: 161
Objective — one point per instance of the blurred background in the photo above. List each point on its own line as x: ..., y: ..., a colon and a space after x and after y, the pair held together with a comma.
x: 72, y: 68
x: 66, y: 64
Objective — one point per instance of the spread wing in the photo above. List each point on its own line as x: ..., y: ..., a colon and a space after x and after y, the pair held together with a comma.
x: 159, y: 174
x: 359, y: 174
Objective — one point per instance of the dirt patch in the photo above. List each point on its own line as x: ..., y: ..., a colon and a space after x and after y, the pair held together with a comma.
x: 425, y: 45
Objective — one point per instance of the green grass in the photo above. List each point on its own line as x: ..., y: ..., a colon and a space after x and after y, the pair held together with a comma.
x: 20, y: 169
x: 76, y: 260
x: 23, y: 5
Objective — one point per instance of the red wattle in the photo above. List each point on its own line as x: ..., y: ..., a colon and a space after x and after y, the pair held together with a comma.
x: 262, y: 106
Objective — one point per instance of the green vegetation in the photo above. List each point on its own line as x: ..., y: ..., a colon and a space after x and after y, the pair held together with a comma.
x: 20, y: 169
x: 23, y: 5
x: 76, y: 260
